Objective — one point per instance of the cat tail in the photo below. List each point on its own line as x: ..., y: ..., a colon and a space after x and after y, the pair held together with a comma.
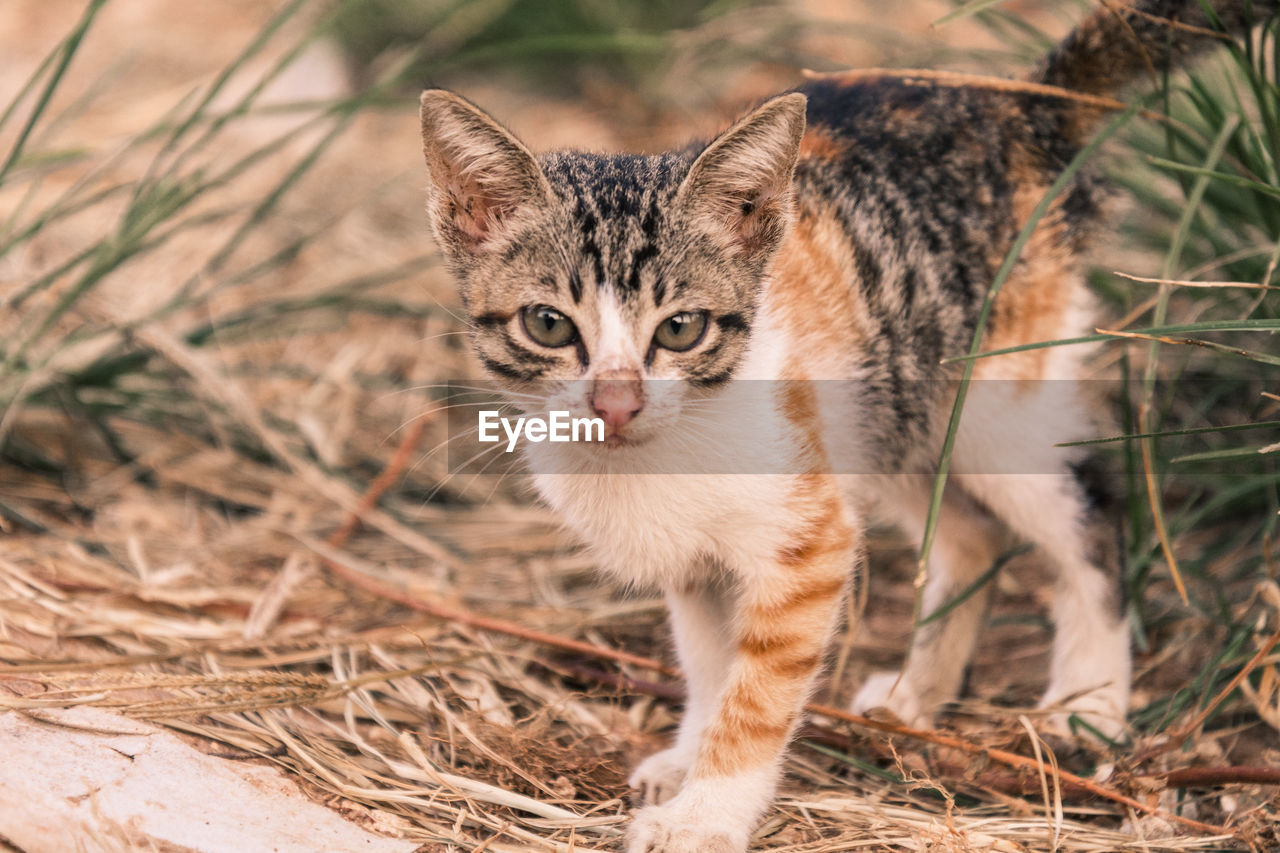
x: 1124, y: 42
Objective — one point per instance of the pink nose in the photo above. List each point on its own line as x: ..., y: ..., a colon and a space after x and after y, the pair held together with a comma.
x: 616, y: 401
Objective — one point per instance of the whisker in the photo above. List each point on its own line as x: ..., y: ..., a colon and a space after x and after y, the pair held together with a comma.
x: 496, y: 392
x: 452, y: 474
x: 484, y: 469
x: 463, y: 320
x: 467, y: 433
x: 439, y: 335
x: 437, y: 410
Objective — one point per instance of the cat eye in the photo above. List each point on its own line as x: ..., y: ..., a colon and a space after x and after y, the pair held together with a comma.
x: 547, y: 326
x: 682, y: 331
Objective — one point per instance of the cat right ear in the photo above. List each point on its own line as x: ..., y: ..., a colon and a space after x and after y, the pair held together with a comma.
x: 482, y: 179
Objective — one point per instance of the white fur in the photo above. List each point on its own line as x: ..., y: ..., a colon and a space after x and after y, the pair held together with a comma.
x: 615, y: 347
x: 707, y: 816
x: 1091, y: 667
x: 653, y: 525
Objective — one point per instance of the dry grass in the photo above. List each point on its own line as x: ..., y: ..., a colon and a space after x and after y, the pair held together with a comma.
x: 178, y: 542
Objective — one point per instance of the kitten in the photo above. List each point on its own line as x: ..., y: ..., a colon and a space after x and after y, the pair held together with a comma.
x: 846, y: 230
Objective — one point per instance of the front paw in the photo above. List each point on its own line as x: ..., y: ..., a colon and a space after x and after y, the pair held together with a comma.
x: 660, y: 776
x: 675, y: 828
x: 1102, y: 710
x: 886, y: 690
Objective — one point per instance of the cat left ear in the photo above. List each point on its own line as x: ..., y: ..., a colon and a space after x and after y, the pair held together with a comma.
x: 739, y: 188
x: 482, y: 178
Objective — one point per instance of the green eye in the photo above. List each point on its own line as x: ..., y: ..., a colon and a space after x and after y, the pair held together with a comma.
x: 682, y: 331
x: 548, y: 326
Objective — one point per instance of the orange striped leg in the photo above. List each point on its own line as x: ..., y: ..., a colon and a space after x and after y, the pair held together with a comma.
x: 784, y: 618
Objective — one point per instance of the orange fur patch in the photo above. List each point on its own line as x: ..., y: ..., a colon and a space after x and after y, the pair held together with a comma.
x: 782, y: 636
x: 747, y: 733
x: 824, y: 534
x: 1037, y: 297
x: 812, y: 289
x: 820, y: 145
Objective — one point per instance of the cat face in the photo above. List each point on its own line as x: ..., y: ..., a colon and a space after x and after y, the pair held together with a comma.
x: 585, y: 276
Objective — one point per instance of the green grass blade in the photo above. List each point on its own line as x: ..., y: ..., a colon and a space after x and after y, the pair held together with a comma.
x: 244, y: 104
x: 973, y: 7
x: 72, y: 199
x: 50, y: 277
x: 339, y: 295
x: 341, y: 115
x: 12, y: 109
x: 59, y: 210
x: 1170, y: 433
x: 981, y: 581
x: 1146, y: 411
x: 1247, y: 325
x: 1218, y: 455
x: 103, y: 259
x: 69, y: 47
x: 1226, y: 177
x: 864, y: 766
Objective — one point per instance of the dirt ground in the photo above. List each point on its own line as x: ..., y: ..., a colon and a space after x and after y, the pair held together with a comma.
x: 185, y: 562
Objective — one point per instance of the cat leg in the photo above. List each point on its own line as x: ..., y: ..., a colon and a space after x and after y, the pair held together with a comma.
x: 785, y: 610
x: 967, y: 542
x: 1067, y: 516
x: 701, y: 625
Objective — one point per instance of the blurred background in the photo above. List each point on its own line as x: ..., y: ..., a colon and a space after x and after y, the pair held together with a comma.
x: 221, y: 314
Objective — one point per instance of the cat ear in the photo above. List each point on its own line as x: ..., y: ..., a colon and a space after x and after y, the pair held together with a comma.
x: 482, y: 179
x: 739, y: 188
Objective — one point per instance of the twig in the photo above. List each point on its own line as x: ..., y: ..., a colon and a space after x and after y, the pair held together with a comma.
x: 1014, y: 760
x: 1207, y: 777
x: 1179, y: 25
x: 1176, y: 282
x: 1189, y: 777
x: 391, y: 473
x: 657, y: 689
x: 961, y: 80
x: 342, y: 566
x: 1185, y: 731
x: 1240, y: 676
x: 1157, y: 511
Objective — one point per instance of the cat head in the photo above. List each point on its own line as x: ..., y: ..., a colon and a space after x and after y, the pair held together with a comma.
x: 585, y: 275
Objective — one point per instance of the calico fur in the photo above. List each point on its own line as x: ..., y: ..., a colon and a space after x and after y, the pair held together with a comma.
x: 848, y: 230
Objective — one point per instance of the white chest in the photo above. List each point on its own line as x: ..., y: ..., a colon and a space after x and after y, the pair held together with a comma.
x: 651, y: 529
